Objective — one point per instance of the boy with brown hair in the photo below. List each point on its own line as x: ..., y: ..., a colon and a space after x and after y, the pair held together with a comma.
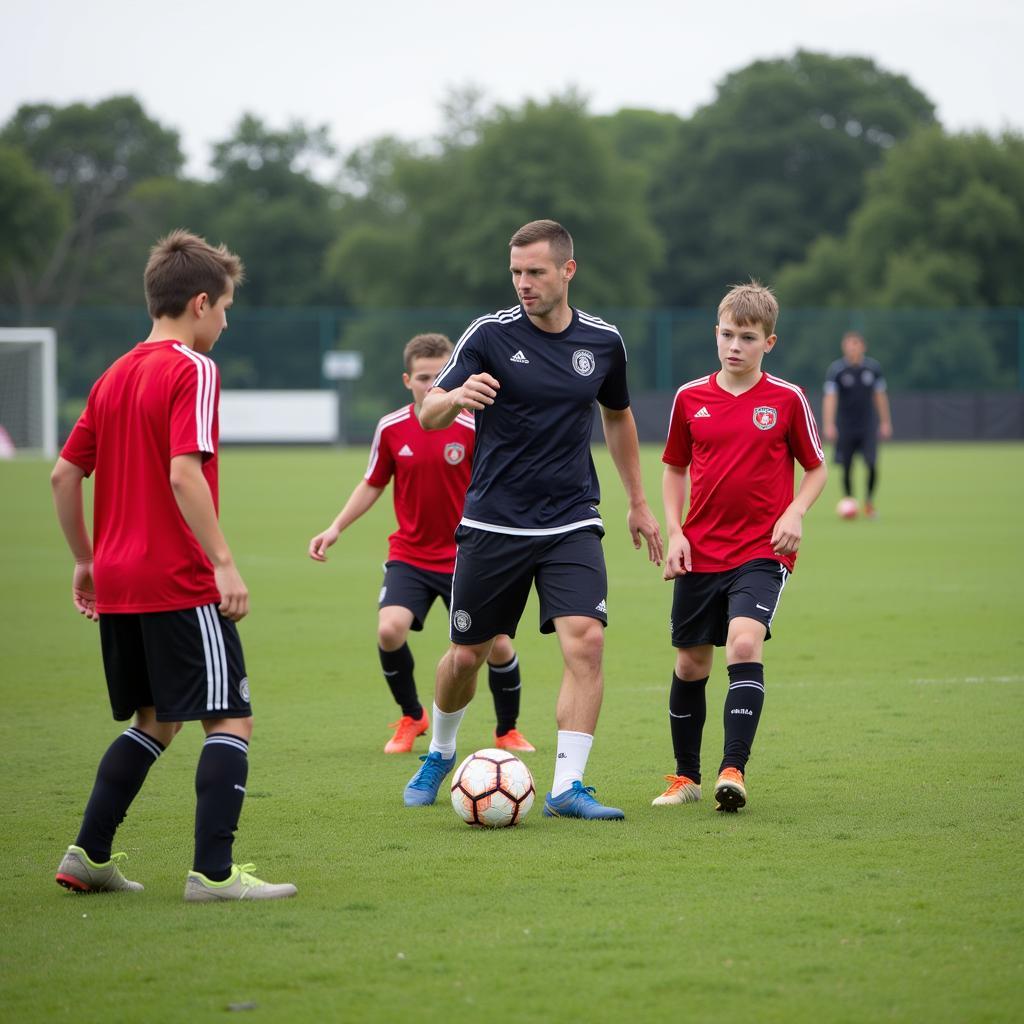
x: 158, y: 575
x: 732, y: 441
x: 431, y: 471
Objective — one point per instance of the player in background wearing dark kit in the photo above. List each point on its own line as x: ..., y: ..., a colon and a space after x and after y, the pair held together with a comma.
x: 431, y: 472
x: 732, y: 441
x: 855, y: 413
x: 531, y: 374
x: 158, y: 574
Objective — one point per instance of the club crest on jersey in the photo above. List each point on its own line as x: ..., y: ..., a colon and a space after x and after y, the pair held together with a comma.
x: 583, y: 362
x: 454, y: 453
x: 765, y: 417
x: 461, y: 620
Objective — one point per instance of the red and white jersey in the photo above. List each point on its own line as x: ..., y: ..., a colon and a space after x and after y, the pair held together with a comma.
x: 431, y: 470
x: 740, y: 451
x: 157, y: 401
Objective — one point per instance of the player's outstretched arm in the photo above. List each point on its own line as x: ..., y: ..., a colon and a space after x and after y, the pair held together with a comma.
x: 829, y: 405
x: 66, y: 482
x: 192, y: 493
x: 675, y: 487
x: 440, y: 407
x: 624, y: 448
x: 361, y: 500
x: 884, y: 415
x: 788, y: 530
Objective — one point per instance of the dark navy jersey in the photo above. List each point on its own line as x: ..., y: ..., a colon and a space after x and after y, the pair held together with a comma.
x: 532, y: 469
x: 855, y: 384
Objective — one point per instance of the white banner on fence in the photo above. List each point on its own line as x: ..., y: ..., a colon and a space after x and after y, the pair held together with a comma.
x: 279, y: 417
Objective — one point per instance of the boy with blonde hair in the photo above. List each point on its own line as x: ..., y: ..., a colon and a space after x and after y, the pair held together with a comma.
x: 732, y: 442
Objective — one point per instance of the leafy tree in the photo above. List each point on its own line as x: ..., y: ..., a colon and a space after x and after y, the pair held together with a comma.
x: 94, y: 156
x: 777, y: 159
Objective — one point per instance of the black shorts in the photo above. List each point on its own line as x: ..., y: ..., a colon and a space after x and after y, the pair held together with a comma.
x: 187, y: 664
x: 704, y: 603
x: 857, y: 439
x: 408, y: 586
x: 494, y: 573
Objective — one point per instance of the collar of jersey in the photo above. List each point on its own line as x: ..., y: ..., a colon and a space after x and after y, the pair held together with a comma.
x: 553, y: 335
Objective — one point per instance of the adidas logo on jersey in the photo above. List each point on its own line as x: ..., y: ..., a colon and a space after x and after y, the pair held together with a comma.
x: 519, y: 358
x: 602, y: 607
x: 702, y: 413
x: 405, y: 450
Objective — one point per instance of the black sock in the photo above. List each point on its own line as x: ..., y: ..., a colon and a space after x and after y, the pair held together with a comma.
x: 743, y: 705
x: 120, y: 776
x: 397, y: 667
x: 872, y: 480
x: 505, y: 689
x: 220, y: 789
x: 848, y: 479
x: 687, y: 709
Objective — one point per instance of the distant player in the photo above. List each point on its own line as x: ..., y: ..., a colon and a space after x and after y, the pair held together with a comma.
x: 732, y: 441
x: 532, y: 374
x: 158, y: 574
x: 431, y: 473
x: 855, y: 413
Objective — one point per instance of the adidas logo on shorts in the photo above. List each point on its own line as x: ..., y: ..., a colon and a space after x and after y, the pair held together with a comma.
x: 602, y: 607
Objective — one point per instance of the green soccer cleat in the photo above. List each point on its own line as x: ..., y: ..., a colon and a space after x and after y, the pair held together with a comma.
x: 80, y: 874
x: 239, y: 885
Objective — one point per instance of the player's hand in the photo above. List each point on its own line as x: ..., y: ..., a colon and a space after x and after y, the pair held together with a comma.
x: 234, y: 595
x: 787, y: 533
x: 642, y: 523
x: 678, y: 561
x: 477, y: 393
x: 83, y: 590
x: 831, y: 434
x: 321, y: 542
x: 885, y: 431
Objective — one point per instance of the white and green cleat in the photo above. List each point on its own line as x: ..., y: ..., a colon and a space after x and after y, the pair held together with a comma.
x: 80, y: 874
x: 239, y: 885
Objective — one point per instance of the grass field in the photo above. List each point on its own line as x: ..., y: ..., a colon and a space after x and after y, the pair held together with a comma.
x: 876, y: 874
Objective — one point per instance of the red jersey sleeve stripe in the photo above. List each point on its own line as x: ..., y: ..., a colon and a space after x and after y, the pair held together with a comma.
x: 205, y: 394
x: 812, y: 427
x: 382, y: 424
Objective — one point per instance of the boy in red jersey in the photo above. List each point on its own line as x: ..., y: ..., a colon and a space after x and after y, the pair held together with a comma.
x: 158, y: 575
x: 431, y: 471
x: 732, y: 441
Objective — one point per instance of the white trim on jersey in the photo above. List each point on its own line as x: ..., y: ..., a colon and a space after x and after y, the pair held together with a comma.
x: 466, y: 419
x: 216, y: 658
x: 595, y: 321
x: 205, y: 391
x: 398, y: 416
x: 144, y: 741
x: 502, y: 316
x: 679, y: 390
x: 812, y: 427
x: 515, y: 531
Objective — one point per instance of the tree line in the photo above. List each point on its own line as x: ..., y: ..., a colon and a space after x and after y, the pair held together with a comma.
x: 828, y: 177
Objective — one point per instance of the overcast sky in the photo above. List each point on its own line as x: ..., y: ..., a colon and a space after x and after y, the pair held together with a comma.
x: 383, y: 66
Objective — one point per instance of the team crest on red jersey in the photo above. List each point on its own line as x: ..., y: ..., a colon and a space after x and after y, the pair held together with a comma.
x: 765, y: 417
x: 454, y: 453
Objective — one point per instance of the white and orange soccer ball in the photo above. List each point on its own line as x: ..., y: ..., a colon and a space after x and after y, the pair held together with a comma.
x: 493, y: 789
x: 847, y: 508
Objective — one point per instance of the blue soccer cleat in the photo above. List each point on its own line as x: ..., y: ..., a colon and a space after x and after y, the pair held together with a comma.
x: 579, y: 802
x: 423, y: 786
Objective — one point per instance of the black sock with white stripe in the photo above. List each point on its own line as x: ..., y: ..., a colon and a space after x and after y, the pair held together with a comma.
x: 120, y: 776
x: 220, y: 789
x: 506, y: 687
x: 397, y: 667
x: 687, y: 710
x: 743, y: 704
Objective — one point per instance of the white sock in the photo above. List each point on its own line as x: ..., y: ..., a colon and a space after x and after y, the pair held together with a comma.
x: 571, y: 760
x: 445, y: 731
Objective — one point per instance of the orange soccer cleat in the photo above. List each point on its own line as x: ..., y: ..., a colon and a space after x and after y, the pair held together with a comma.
x: 681, y: 790
x: 514, y: 740
x: 730, y: 793
x: 406, y: 731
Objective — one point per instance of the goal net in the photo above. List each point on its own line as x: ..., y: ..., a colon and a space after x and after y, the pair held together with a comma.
x: 28, y: 391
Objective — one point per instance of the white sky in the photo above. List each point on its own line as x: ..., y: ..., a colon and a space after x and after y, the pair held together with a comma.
x: 378, y: 67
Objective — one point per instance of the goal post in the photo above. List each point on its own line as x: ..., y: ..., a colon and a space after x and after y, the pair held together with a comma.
x: 28, y: 390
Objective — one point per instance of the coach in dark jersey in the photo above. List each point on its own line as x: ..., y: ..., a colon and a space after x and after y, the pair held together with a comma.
x: 855, y: 413
x: 531, y: 374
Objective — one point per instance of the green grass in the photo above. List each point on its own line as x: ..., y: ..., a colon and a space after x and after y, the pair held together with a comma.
x: 875, y: 874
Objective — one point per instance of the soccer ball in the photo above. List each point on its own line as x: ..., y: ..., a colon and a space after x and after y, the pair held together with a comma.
x: 847, y: 508
x: 492, y: 788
